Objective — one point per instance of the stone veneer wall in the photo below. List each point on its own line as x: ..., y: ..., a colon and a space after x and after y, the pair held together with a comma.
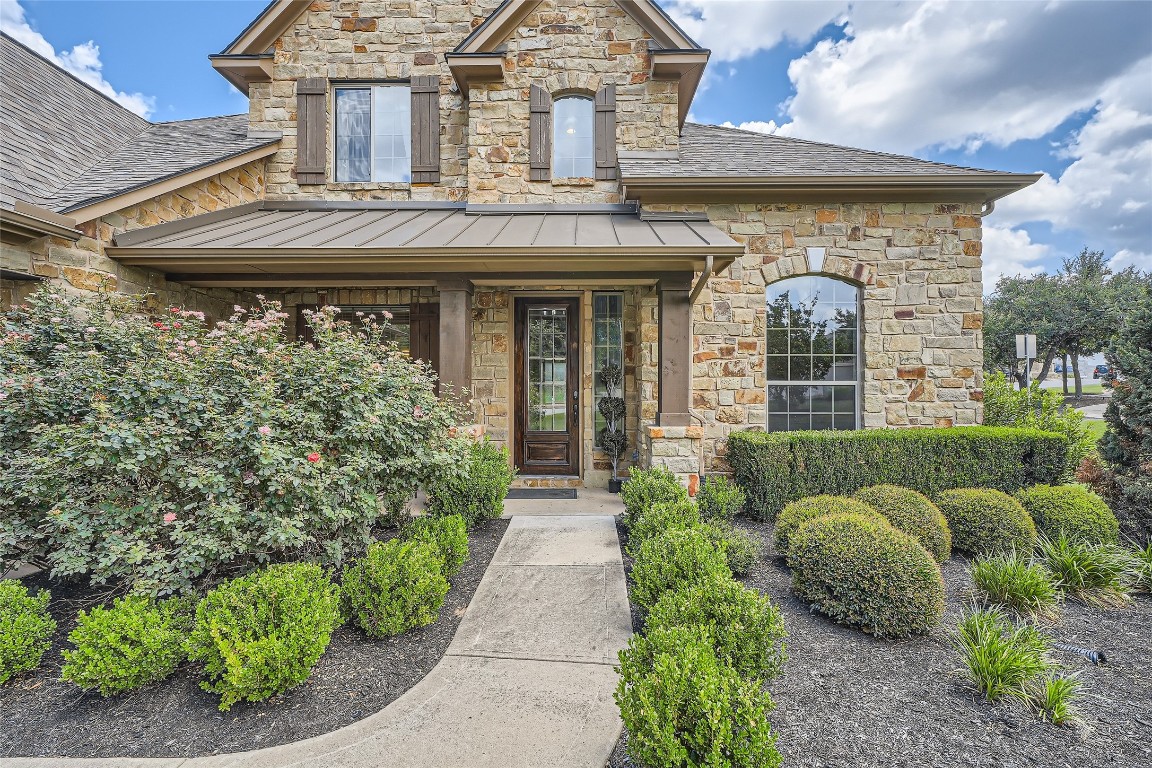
x: 493, y: 346
x: 564, y: 45
x: 83, y: 265
x: 919, y: 267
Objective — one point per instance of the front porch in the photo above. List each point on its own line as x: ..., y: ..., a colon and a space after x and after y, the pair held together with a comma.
x: 517, y: 309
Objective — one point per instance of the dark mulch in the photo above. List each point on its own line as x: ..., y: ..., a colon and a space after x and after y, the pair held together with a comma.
x: 40, y: 715
x: 846, y: 699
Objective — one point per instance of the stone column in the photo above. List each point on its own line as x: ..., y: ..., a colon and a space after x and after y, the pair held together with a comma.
x: 675, y: 349
x: 455, y: 336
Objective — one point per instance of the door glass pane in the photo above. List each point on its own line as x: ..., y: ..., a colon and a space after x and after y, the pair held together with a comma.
x: 546, y: 358
x: 608, y: 336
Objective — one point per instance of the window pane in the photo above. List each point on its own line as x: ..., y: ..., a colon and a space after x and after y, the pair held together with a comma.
x: 776, y: 367
x: 777, y: 341
x: 573, y: 139
x: 822, y: 368
x: 353, y: 128
x: 391, y: 133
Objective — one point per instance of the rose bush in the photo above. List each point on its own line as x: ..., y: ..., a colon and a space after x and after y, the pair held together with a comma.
x: 154, y: 447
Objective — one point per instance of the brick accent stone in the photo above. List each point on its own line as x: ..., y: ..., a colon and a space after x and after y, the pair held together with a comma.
x: 677, y: 449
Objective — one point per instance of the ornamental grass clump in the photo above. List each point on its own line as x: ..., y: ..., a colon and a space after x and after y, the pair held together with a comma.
x: 647, y: 487
x: 477, y: 492
x: 449, y: 535
x: 1014, y: 581
x: 1092, y: 573
x: 261, y: 634
x: 913, y: 513
x: 1140, y: 570
x: 744, y: 627
x: 26, y: 629
x: 134, y: 642
x: 661, y: 517
x: 801, y: 511
x: 986, y: 522
x: 1072, y: 511
x: 1000, y: 658
x: 683, y: 707
x: 150, y: 446
x: 675, y: 560
x: 860, y: 571
x: 397, y: 586
x: 719, y: 499
x: 1055, y: 697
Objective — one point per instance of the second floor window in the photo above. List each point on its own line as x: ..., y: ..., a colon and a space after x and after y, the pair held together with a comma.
x: 373, y: 133
x: 573, y: 138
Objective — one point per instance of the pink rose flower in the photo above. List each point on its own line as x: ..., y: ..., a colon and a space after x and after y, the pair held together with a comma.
x: 313, y: 457
x: 417, y: 412
x: 170, y: 517
x: 265, y: 430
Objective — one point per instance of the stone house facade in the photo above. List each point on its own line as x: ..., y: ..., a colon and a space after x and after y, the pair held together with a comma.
x: 518, y: 182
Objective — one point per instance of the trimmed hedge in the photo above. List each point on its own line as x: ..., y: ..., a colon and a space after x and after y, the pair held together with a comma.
x: 646, y: 487
x: 478, y: 493
x: 449, y: 535
x: 397, y: 586
x: 986, y: 522
x: 1072, y: 511
x: 661, y: 517
x: 675, y: 560
x: 861, y: 571
x: 911, y: 512
x: 25, y: 628
x: 775, y: 468
x: 802, y: 510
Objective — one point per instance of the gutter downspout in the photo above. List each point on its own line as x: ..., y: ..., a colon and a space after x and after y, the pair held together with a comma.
x: 703, y: 281
x: 987, y: 208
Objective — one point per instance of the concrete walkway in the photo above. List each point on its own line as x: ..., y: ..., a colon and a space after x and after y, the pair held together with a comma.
x: 526, y: 683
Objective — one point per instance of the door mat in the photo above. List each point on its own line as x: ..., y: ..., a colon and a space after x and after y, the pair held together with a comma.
x: 541, y: 493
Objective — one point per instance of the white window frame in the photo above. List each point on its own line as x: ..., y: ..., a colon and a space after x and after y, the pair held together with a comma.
x: 371, y: 87
x: 590, y: 104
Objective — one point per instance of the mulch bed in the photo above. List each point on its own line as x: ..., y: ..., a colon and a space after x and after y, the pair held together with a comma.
x: 846, y: 699
x: 40, y: 715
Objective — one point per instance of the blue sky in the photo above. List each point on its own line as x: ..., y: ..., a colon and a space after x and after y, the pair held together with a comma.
x: 1063, y: 88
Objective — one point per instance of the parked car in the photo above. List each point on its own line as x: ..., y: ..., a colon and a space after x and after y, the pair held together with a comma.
x: 1101, y: 371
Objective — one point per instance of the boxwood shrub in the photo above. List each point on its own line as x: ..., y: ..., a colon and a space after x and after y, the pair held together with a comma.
x: 911, y: 512
x: 658, y: 518
x: 675, y: 560
x: 801, y: 511
x: 477, y: 493
x: 25, y: 628
x: 778, y: 467
x: 397, y: 586
x: 745, y: 628
x: 861, y: 571
x: 683, y: 707
x: 1072, y: 511
x: 740, y: 549
x: 719, y: 498
x: 646, y: 487
x: 134, y: 642
x: 986, y: 521
x: 261, y: 634
x: 449, y: 535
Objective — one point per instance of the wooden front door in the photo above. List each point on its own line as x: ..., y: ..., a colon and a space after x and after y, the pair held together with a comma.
x: 547, y: 386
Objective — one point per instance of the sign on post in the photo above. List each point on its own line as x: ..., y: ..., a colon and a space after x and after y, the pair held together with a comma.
x: 1026, y: 346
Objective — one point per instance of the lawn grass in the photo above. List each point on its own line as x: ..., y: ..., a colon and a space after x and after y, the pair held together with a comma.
x: 1096, y: 428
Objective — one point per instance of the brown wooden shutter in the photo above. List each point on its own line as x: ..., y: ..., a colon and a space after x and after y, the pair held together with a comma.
x: 605, y: 128
x: 425, y: 129
x: 540, y: 135
x: 424, y: 333
x: 311, y: 130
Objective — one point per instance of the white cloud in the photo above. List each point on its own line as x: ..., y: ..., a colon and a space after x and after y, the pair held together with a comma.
x: 1008, y: 251
x: 734, y: 29
x: 759, y: 126
x: 83, y: 60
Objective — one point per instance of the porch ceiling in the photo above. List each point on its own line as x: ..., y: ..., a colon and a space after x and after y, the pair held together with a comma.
x: 324, y: 240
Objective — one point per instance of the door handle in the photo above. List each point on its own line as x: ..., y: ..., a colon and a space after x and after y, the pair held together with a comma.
x: 575, y: 405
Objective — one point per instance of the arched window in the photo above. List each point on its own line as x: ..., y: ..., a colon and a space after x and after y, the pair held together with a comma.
x: 812, y: 354
x: 573, y: 137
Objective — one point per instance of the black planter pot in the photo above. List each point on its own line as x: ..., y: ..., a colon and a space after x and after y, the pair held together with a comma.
x: 614, y: 486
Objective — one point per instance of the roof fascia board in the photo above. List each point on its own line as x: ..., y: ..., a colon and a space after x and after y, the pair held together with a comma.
x: 268, y: 27
x: 531, y: 254
x: 138, y: 194
x: 657, y: 23
x: 243, y: 70
x: 469, y: 68
x: 28, y: 222
x: 686, y: 67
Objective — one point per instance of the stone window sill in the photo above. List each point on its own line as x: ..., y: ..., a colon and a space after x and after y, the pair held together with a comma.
x: 574, y: 181
x: 358, y: 185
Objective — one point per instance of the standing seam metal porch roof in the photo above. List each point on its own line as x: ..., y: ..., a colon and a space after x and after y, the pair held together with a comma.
x: 302, y: 236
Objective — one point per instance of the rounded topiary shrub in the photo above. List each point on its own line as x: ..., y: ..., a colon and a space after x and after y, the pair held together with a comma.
x: 911, y: 512
x: 261, y: 634
x: 134, y: 642
x: 397, y: 586
x: 657, y: 519
x: 719, y: 498
x: 744, y: 626
x: 986, y: 522
x: 449, y: 535
x: 477, y: 493
x: 675, y: 560
x: 1072, y: 511
x: 801, y: 511
x: 646, y: 487
x: 740, y: 549
x: 25, y: 628
x: 861, y: 571
x: 684, y: 707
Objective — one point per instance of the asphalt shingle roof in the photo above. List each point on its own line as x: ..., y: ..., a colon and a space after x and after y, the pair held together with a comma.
x: 64, y: 145
x: 712, y: 151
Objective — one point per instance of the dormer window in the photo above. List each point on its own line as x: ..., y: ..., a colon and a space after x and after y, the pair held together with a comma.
x: 573, y: 138
x: 373, y: 133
